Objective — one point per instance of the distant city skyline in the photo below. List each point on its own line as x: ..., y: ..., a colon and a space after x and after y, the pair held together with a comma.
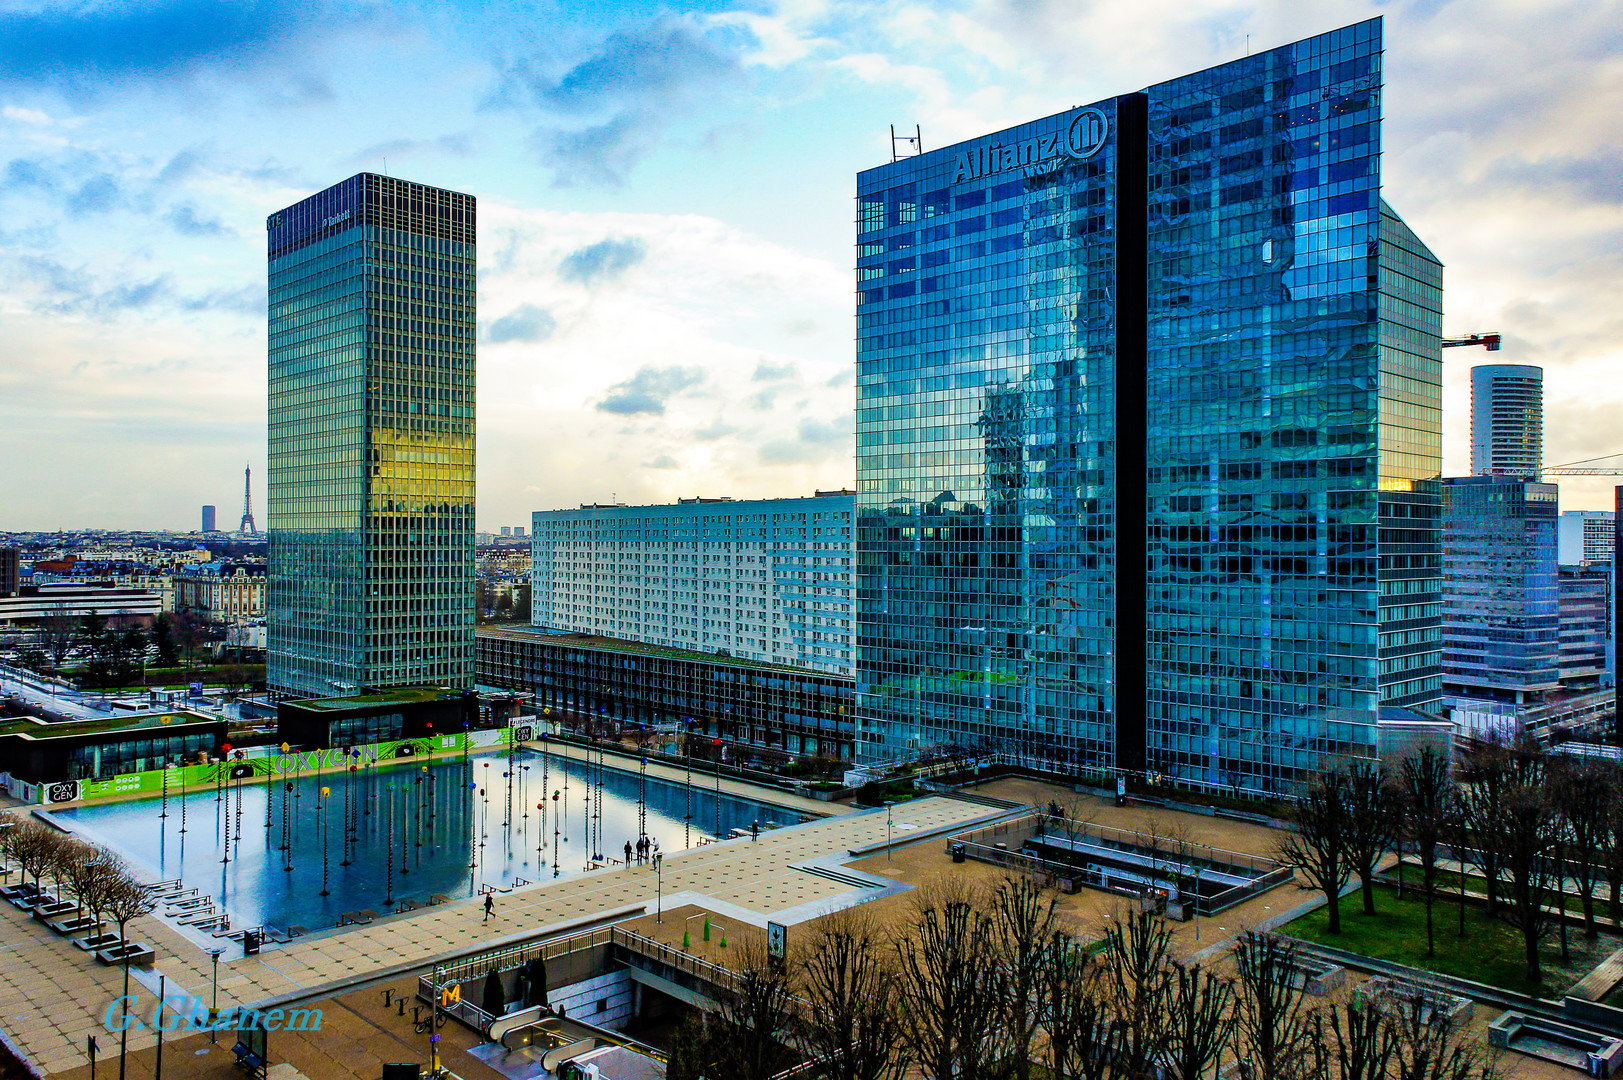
x: 665, y: 292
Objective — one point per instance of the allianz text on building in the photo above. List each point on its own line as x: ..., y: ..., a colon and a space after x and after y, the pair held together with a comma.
x: 1148, y: 419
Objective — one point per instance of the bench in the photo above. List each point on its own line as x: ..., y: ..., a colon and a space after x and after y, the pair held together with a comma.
x: 1575, y: 1047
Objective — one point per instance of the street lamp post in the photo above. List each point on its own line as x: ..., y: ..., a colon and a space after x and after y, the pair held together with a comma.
x: 214, y: 1007
x: 659, y: 887
x: 889, y: 823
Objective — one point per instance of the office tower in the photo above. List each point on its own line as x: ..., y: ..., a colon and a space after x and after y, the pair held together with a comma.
x: 372, y: 349
x: 208, y: 519
x: 767, y: 580
x: 1501, y: 612
x: 1585, y: 605
x: 1148, y: 407
x: 10, y: 571
x: 1507, y: 420
x: 1586, y: 537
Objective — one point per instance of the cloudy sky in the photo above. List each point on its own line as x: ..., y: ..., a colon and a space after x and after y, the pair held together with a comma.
x: 666, y: 206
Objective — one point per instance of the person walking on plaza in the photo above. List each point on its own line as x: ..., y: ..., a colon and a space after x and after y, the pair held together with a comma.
x: 628, y: 852
x: 490, y: 905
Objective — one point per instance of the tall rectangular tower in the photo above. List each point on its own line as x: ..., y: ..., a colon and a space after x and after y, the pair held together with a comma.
x: 372, y: 354
x: 1148, y: 414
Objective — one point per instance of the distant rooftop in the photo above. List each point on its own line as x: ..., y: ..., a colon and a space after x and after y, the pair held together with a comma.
x: 397, y: 695
x: 571, y: 640
x: 706, y: 500
x: 40, y: 729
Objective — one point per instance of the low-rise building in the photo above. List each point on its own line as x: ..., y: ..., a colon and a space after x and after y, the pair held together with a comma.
x: 778, y: 709
x: 120, y: 606
x: 229, y: 593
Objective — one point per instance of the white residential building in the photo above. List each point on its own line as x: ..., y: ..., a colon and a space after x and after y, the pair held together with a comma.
x: 767, y: 580
x: 1585, y: 537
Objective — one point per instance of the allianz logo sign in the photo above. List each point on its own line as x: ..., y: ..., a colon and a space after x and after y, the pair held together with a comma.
x: 1082, y: 135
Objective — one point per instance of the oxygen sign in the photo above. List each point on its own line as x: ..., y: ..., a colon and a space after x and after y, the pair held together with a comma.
x: 1082, y: 135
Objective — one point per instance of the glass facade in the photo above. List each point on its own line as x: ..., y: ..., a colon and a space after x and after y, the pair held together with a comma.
x: 1501, y: 624
x: 372, y: 353
x: 1148, y: 431
x: 764, y: 706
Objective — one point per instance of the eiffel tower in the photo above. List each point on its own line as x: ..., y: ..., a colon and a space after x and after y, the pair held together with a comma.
x: 247, y: 525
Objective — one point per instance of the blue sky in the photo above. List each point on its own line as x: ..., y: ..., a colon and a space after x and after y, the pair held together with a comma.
x: 666, y: 208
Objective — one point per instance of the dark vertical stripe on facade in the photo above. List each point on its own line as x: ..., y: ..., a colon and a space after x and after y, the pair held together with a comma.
x: 1617, y: 617
x: 1132, y: 406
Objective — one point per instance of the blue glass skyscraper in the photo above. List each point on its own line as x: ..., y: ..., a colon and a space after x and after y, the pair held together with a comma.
x: 1148, y: 426
x: 372, y: 353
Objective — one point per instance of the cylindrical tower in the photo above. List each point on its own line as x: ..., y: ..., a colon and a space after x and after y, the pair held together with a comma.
x: 1507, y: 420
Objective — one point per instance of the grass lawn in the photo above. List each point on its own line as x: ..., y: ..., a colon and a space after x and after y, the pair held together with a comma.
x: 1448, y: 885
x: 1490, y: 952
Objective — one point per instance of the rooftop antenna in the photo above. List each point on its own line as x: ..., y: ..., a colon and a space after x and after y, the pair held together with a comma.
x: 905, y: 145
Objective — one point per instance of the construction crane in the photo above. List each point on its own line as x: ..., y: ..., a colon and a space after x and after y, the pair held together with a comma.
x: 1583, y: 468
x: 1491, y: 342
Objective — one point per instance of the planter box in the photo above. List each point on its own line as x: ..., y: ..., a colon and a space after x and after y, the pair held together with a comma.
x: 95, y: 942
x: 1436, y: 1005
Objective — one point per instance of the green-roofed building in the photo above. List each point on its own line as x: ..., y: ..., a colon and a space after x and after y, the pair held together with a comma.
x: 402, y: 712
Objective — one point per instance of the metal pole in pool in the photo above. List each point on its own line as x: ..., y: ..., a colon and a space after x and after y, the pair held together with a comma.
x: 182, y: 800
x: 390, y: 898
x: 166, y: 767
x: 325, y: 830
x: 687, y: 764
x: 717, y: 744
x: 405, y: 828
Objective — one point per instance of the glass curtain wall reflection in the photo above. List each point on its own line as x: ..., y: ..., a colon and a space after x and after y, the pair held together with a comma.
x: 372, y: 358
x: 1148, y: 430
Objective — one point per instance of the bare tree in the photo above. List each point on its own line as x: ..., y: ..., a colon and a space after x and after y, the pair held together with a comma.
x: 58, y: 632
x: 1372, y: 823
x: 99, y: 881
x: 1274, y: 1027
x: 1426, y: 808
x: 1319, y: 846
x: 1361, y: 1042
x: 125, y: 901
x: 1481, y: 805
x: 1584, y: 794
x: 753, y: 1012
x: 950, y: 986
x: 1526, y: 837
x: 1023, y: 923
x: 1428, y: 1045
x: 850, y: 1022
x: 1139, y: 988
x: 1081, y: 1033
x: 33, y: 844
x: 1200, y: 1024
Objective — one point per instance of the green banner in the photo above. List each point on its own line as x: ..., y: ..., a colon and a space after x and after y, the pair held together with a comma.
x: 290, y: 763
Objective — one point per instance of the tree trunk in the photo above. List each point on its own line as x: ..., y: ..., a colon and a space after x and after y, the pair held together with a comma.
x: 1431, y: 947
x: 1590, y: 929
x: 1333, y: 895
x: 1530, y: 943
x: 1367, y: 885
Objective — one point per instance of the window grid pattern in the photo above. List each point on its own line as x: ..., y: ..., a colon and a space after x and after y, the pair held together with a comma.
x: 372, y: 360
x: 767, y: 580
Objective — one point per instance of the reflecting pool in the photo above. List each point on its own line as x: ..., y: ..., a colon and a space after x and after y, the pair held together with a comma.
x: 280, y: 854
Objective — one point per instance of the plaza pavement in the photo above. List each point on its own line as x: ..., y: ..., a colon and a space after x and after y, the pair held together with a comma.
x: 52, y: 995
